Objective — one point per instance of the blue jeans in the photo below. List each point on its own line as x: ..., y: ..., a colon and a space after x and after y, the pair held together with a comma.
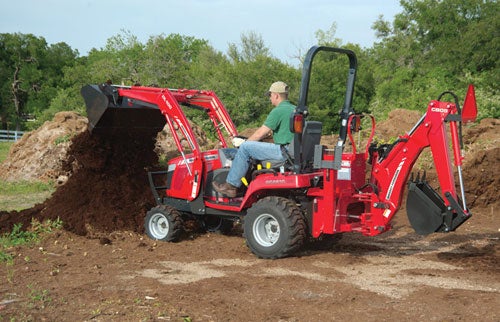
x: 255, y: 150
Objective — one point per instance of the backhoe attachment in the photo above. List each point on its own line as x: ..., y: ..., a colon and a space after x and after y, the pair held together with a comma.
x: 427, y: 210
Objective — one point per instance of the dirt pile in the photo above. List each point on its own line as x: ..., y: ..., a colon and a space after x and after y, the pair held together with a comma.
x: 108, y: 190
x: 105, y: 187
x: 482, y: 184
x: 40, y: 154
x: 398, y: 122
x: 165, y: 144
x: 482, y: 181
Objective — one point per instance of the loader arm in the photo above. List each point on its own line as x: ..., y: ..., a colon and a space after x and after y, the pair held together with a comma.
x: 428, y: 211
x: 169, y: 103
x: 112, y: 109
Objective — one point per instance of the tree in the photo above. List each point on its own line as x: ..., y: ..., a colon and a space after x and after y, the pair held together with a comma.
x: 433, y: 46
x: 21, y: 55
x: 167, y: 59
x: 451, y: 31
x: 31, y: 71
x: 327, y: 87
x: 250, y: 75
x: 252, y: 46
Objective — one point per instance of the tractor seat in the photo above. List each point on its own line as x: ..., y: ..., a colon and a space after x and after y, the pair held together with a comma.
x: 311, y: 136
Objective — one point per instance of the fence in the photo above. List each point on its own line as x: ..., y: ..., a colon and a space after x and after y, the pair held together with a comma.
x: 8, y: 135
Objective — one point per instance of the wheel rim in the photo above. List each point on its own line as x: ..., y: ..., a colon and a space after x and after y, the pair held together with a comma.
x: 159, y: 226
x: 266, y: 230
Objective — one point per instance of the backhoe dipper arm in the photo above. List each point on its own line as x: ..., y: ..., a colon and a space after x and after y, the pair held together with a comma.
x: 427, y: 210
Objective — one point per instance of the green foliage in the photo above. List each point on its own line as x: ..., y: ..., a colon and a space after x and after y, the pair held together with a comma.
x: 30, y: 73
x: 62, y: 139
x: 48, y: 226
x: 63, y: 100
x: 18, y: 236
x: 245, y: 98
x: 434, y: 46
x: 327, y: 88
x: 241, y: 81
x: 252, y: 47
x: 38, y: 298
x: 431, y: 46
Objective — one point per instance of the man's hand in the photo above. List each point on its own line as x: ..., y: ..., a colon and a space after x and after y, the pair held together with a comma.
x: 238, y: 140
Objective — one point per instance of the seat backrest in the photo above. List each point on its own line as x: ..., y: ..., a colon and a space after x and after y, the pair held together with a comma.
x: 310, y: 138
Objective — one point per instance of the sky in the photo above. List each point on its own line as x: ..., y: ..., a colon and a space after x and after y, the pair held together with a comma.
x: 287, y: 27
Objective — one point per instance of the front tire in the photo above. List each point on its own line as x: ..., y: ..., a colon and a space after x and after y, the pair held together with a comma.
x: 274, y: 227
x: 163, y: 223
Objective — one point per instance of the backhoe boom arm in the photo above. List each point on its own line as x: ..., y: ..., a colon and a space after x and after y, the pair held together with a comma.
x: 427, y: 210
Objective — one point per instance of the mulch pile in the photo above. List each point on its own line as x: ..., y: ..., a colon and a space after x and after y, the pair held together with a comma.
x: 41, y: 154
x: 108, y: 191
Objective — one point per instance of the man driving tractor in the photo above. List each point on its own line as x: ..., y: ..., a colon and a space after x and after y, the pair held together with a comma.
x: 276, y: 122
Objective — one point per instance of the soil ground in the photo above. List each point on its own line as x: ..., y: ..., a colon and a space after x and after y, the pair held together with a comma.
x: 101, y: 266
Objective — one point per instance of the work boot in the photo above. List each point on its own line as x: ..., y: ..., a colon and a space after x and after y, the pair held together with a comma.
x: 225, y: 189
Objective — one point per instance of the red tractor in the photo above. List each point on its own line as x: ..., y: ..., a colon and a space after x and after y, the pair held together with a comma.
x: 317, y: 194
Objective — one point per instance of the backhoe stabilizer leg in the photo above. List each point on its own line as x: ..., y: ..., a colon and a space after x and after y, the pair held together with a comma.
x: 427, y: 211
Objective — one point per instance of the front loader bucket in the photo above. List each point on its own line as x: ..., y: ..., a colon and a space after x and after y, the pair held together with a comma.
x: 109, y: 113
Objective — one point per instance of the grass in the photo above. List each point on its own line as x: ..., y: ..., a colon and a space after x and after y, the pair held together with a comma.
x: 4, y: 150
x: 22, y: 195
x: 38, y: 298
x: 19, y: 237
x: 14, y: 238
x: 25, y: 187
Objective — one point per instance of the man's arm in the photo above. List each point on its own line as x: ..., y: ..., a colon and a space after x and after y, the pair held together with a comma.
x: 261, y: 133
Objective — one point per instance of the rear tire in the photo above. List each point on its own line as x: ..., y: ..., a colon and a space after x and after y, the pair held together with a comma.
x: 163, y: 223
x: 274, y: 227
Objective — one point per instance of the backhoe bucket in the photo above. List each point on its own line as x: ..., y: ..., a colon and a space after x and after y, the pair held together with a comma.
x: 109, y: 113
x: 425, y: 208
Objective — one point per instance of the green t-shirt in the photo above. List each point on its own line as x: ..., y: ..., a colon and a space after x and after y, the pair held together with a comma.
x: 279, y: 121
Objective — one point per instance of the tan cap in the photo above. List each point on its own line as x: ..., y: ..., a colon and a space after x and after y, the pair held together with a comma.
x: 278, y: 87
